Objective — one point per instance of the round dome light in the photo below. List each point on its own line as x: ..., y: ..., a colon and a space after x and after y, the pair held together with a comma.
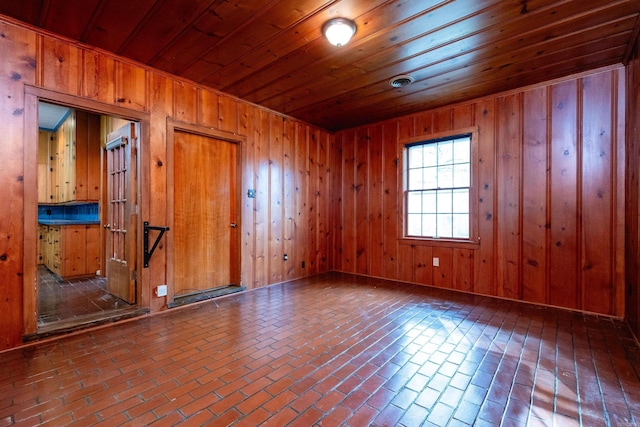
x: 339, y: 31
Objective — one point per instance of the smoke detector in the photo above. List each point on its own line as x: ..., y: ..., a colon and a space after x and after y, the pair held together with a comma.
x: 401, y: 81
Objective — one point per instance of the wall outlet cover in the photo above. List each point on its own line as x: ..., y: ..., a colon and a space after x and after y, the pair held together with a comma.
x: 161, y: 291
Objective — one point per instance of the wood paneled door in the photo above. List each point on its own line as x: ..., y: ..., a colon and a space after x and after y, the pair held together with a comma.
x: 205, y: 220
x: 121, y: 228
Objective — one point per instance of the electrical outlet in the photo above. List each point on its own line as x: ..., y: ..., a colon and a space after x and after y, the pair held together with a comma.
x: 436, y: 262
x: 161, y: 291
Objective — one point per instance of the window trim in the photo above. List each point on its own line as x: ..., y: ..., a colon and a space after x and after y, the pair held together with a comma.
x: 403, y: 145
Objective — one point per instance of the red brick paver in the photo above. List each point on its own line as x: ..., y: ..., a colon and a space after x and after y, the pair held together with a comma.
x: 333, y: 350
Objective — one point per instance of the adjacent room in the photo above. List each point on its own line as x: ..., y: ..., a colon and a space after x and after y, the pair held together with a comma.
x: 412, y: 213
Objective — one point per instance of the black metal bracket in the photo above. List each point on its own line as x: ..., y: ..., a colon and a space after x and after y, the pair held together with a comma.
x: 147, y: 252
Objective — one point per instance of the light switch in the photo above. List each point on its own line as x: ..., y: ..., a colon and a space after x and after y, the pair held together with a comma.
x: 436, y: 262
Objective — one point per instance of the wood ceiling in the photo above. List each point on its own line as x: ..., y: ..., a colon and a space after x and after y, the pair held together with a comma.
x: 272, y: 52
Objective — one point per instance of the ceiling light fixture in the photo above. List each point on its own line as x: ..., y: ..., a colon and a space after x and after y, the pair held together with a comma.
x: 339, y: 31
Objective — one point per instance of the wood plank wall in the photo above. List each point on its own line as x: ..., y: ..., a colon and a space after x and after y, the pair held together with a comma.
x: 285, y: 161
x: 551, y: 185
x: 632, y: 219
x: 550, y: 196
x: 18, y: 50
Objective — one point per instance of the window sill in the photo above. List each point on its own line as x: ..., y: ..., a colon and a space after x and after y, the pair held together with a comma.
x: 445, y: 243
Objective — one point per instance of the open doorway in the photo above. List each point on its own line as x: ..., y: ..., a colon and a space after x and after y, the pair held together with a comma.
x: 86, y: 224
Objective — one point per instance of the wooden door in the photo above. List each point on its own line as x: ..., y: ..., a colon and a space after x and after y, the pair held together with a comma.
x: 205, y: 226
x: 121, y: 201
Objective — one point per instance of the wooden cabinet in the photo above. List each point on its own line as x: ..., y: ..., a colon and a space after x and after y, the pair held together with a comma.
x: 69, y: 160
x: 42, y: 242
x: 70, y: 250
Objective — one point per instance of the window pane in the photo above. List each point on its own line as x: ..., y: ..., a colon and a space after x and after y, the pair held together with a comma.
x: 445, y: 176
x: 430, y: 154
x: 414, y: 222
x: 461, y: 175
x: 444, y: 225
x: 460, y: 226
x: 462, y: 150
x: 430, y: 178
x: 445, y: 152
x: 429, y: 225
x: 461, y: 201
x: 415, y: 179
x: 444, y: 201
x: 438, y: 177
x: 415, y: 156
x: 414, y: 202
x: 429, y: 202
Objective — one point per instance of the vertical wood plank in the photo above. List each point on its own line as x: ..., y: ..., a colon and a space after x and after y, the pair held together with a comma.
x: 227, y: 114
x: 61, y: 65
x: 336, y: 202
x: 390, y: 206
x: 485, y: 116
x: 463, y: 116
x: 632, y: 195
x: 443, y: 274
x: 376, y: 191
x: 597, y: 225
x: 424, y: 124
x: 423, y: 264
x: 442, y: 120
x: 185, y: 102
x: 462, y: 269
x: 322, y: 195
x: 349, y: 202
x: 289, y: 188
x: 534, y: 196
x: 563, y: 279
x: 82, y: 154
x: 98, y: 77
x: 276, y: 209
x: 362, y: 202
x: 131, y: 86
x: 314, y: 200
x: 261, y: 133
x: 161, y: 106
x: 246, y: 124
x: 406, y: 129
x: 619, y: 193
x: 18, y: 227
x: 302, y: 197
x: 208, y: 112
x: 406, y: 270
x: 508, y: 173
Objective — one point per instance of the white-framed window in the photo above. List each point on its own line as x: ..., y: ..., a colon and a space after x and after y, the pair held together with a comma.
x: 438, y: 187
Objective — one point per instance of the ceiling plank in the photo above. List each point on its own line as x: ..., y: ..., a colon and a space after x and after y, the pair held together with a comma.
x: 116, y: 22
x: 272, y: 53
x: 162, y: 23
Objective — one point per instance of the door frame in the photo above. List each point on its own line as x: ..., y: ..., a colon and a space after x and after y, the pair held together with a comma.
x: 30, y: 259
x: 240, y: 141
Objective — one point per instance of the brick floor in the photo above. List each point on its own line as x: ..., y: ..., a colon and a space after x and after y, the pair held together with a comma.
x: 67, y: 299
x: 333, y: 350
